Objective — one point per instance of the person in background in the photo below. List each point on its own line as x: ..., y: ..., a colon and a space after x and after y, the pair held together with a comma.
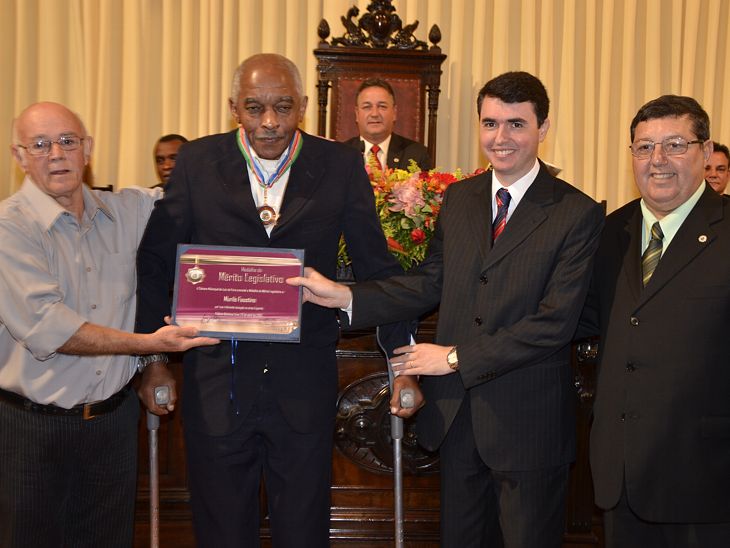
x: 660, y: 301
x: 509, y: 265
x: 68, y: 417
x: 375, y: 114
x: 165, y: 154
x: 717, y: 170
x: 254, y: 409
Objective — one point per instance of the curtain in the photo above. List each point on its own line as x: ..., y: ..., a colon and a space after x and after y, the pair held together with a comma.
x: 137, y: 69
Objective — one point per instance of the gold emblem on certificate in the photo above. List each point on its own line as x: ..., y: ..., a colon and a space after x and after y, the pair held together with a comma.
x: 195, y: 275
x: 267, y: 214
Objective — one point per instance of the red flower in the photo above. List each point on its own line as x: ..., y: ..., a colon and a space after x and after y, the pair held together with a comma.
x: 408, y: 203
x: 417, y: 236
x: 392, y: 244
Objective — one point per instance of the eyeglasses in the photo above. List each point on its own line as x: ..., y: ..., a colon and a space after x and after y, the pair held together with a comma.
x: 643, y: 148
x: 42, y: 147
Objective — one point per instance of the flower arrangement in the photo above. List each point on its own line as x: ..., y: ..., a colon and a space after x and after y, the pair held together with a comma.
x: 408, y: 203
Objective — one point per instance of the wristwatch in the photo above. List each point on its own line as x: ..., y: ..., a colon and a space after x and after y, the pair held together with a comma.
x: 452, y: 359
x: 144, y: 361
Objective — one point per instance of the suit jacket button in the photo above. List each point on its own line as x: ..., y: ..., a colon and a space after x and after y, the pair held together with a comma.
x: 478, y: 320
x: 483, y: 279
x: 622, y: 418
x: 630, y: 367
x: 634, y: 321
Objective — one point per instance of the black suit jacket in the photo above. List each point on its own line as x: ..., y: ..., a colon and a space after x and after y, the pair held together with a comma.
x: 400, y: 152
x: 662, y: 409
x: 208, y: 200
x: 511, y: 308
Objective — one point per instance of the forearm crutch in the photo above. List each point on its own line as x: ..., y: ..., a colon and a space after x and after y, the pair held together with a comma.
x: 162, y: 397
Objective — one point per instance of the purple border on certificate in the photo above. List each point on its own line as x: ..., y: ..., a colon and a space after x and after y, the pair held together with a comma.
x: 239, y: 292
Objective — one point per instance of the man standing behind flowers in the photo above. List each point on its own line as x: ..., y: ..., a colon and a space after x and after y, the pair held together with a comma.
x: 509, y: 264
x: 375, y: 116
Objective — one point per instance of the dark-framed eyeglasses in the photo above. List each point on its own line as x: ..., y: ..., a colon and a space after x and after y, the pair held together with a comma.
x: 673, y: 146
x: 42, y: 147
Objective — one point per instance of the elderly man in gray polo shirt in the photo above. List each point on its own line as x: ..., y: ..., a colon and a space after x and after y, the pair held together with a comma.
x: 68, y: 418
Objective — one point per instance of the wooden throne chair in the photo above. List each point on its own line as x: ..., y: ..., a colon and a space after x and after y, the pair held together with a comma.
x: 378, y: 44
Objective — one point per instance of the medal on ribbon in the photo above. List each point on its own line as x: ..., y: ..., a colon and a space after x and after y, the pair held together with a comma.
x: 267, y: 214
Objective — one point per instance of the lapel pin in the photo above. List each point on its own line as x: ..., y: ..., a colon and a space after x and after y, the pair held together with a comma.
x: 702, y: 238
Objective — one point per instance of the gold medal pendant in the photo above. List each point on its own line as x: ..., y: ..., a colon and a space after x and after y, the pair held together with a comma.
x: 267, y: 215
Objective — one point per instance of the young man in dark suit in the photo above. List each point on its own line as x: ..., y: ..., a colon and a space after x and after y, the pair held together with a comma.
x: 375, y: 114
x: 257, y: 408
x: 660, y: 300
x: 509, y: 265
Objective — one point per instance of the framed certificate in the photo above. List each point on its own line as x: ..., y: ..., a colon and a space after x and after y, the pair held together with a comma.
x: 239, y: 292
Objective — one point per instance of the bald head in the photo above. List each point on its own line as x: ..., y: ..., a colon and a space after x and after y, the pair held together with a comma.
x: 57, y: 170
x: 271, y: 62
x: 45, y: 112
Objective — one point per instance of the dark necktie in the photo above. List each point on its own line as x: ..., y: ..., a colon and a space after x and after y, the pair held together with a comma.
x: 500, y: 220
x: 650, y: 258
x: 374, y: 157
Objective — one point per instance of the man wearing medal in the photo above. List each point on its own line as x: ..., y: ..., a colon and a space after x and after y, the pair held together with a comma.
x: 263, y: 408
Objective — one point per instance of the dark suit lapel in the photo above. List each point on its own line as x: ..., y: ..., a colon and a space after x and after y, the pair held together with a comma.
x: 692, y: 238
x: 528, y: 215
x: 479, y: 212
x: 629, y: 243
x: 233, y: 177
x: 306, y: 175
x: 395, y: 149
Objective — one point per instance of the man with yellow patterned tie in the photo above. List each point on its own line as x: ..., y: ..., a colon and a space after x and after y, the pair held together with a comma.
x: 660, y: 300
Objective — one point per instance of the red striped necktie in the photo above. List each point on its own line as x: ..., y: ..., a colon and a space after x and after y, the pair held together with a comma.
x: 500, y: 220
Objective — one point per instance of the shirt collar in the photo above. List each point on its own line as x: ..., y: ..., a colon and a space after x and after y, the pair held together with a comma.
x: 49, y: 210
x: 673, y: 220
x: 383, y: 146
x: 517, y: 189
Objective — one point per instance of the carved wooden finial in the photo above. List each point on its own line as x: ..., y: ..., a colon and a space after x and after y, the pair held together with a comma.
x: 434, y: 35
x: 323, y: 31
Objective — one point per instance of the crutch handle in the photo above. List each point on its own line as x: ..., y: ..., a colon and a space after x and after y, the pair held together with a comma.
x: 162, y: 397
x: 407, y: 398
